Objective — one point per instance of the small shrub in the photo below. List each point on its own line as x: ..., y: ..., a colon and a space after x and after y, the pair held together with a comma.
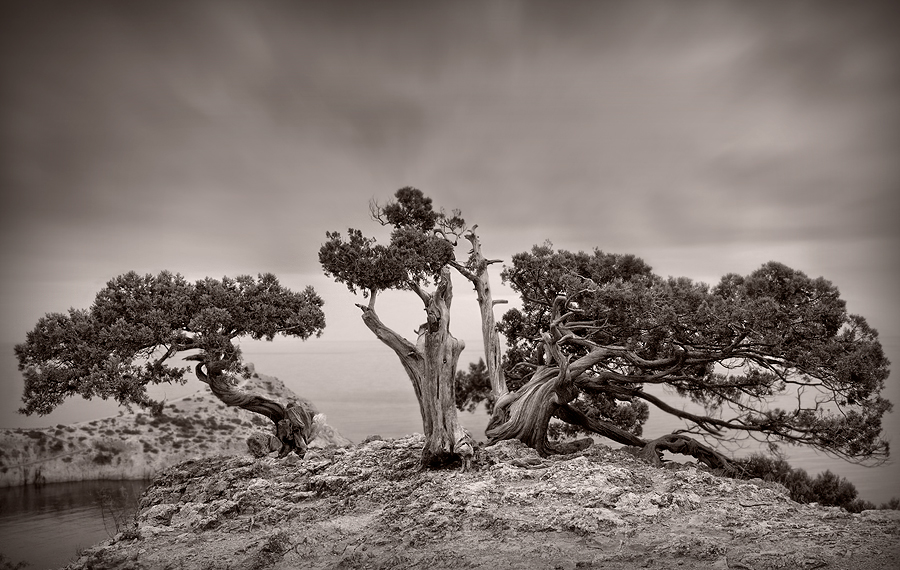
x: 892, y: 505
x: 6, y: 564
x: 103, y: 458
x: 826, y: 488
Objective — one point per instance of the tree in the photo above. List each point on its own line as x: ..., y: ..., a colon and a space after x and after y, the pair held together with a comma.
x: 138, y: 324
x: 420, y: 254
x: 772, y: 356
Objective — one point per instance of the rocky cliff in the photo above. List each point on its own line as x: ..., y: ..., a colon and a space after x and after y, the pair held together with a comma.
x: 138, y: 445
x: 370, y: 506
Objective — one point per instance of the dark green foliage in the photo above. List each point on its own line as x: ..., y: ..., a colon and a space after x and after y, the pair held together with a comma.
x: 121, y: 344
x: 474, y: 387
x: 103, y: 458
x: 598, y: 405
x: 416, y: 253
x: 826, y: 488
x: 7, y: 564
x: 893, y: 504
x: 772, y: 355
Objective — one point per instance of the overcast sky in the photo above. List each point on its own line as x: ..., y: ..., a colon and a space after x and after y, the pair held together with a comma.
x: 224, y: 138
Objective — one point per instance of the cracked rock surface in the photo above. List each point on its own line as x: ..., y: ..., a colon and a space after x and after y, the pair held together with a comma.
x: 371, y: 507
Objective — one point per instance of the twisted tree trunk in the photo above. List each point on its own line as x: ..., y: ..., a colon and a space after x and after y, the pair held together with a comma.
x: 295, y: 424
x: 525, y: 414
x: 528, y: 410
x: 431, y: 367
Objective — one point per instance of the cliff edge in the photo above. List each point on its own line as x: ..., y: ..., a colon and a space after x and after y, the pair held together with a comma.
x: 139, y: 445
x: 370, y: 506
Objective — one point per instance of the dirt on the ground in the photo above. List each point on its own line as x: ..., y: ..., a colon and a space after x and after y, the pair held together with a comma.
x: 371, y: 506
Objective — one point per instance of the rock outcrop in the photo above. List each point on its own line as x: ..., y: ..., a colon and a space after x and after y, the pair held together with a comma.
x: 139, y: 445
x: 371, y: 506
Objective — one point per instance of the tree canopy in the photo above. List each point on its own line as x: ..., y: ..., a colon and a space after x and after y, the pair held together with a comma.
x: 417, y: 252
x: 772, y: 355
x: 124, y: 341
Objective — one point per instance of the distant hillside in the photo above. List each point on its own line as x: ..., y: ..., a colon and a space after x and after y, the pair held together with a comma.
x: 138, y: 445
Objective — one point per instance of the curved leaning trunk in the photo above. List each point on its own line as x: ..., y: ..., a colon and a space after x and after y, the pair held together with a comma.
x: 431, y: 367
x: 525, y: 414
x: 295, y: 424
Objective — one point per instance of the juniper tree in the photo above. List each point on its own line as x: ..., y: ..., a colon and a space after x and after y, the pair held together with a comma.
x: 772, y: 356
x: 139, y: 325
x: 419, y: 255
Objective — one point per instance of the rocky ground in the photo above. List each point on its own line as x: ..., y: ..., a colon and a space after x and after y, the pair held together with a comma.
x: 138, y: 445
x: 370, y: 506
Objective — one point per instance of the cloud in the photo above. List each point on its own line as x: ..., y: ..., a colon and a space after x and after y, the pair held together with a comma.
x: 228, y: 137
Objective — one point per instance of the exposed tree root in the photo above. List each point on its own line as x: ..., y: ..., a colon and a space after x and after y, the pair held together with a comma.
x: 678, y: 443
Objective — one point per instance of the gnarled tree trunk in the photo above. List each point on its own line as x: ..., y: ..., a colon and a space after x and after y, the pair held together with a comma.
x: 431, y: 367
x: 295, y: 424
x: 476, y: 271
x: 525, y: 414
x: 528, y: 410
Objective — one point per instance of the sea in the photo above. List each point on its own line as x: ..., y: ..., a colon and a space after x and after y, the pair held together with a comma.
x: 358, y: 384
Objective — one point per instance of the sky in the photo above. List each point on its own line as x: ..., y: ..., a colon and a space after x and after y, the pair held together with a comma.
x: 225, y: 138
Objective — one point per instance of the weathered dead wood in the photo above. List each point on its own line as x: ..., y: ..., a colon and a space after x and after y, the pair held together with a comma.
x: 295, y: 424
x: 430, y: 365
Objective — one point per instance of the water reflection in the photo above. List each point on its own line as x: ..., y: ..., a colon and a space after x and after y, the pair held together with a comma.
x: 46, y: 525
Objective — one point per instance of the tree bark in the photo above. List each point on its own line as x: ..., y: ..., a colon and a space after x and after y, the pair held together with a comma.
x: 431, y: 367
x: 295, y: 424
x: 678, y: 443
x: 477, y: 273
x: 525, y: 414
x: 528, y: 410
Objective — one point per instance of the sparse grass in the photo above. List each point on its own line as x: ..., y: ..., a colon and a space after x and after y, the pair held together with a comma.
x: 118, y: 508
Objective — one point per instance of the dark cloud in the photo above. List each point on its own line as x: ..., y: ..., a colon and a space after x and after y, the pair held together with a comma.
x: 228, y: 136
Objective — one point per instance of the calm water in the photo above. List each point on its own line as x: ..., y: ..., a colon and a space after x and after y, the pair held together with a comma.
x: 45, y: 526
x: 362, y: 389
